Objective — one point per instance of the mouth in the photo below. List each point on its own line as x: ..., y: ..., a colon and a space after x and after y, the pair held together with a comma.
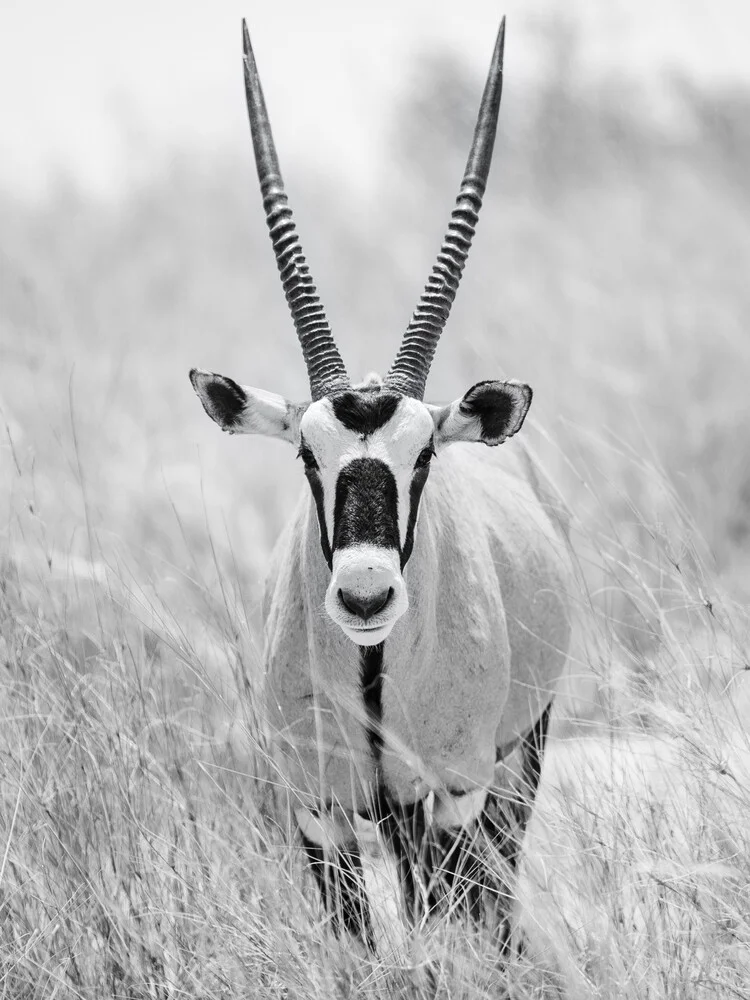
x: 368, y: 635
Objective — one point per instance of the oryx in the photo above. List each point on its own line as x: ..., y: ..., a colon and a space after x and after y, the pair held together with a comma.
x: 415, y: 614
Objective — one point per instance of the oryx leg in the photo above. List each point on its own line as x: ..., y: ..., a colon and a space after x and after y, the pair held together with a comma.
x: 403, y: 829
x: 434, y: 850
x: 333, y: 855
x: 448, y: 855
x: 507, y: 810
x: 457, y: 857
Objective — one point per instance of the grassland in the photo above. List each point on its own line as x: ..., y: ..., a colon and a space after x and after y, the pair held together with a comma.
x: 140, y: 853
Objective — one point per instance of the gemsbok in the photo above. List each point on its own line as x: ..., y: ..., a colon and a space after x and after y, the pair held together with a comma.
x: 416, y: 613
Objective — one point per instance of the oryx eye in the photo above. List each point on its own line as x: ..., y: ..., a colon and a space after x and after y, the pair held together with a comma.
x: 307, y: 457
x: 424, y: 456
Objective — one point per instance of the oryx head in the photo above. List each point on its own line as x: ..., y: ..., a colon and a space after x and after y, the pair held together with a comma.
x: 366, y: 449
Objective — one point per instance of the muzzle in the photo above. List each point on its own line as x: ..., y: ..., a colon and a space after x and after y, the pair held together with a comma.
x: 367, y: 593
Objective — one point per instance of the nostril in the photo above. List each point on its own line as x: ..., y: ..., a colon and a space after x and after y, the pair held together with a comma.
x: 380, y: 600
x: 349, y: 602
x: 365, y: 607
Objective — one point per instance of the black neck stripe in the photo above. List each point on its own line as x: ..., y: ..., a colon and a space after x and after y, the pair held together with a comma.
x: 371, y: 682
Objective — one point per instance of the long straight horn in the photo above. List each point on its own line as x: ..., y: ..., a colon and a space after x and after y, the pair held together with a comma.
x: 324, y: 365
x: 412, y: 365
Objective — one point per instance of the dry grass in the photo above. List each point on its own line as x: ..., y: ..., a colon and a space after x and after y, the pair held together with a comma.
x: 140, y: 854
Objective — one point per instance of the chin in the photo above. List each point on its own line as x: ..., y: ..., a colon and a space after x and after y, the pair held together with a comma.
x: 368, y: 636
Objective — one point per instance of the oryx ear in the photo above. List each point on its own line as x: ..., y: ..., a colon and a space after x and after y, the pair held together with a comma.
x: 240, y: 409
x: 490, y: 412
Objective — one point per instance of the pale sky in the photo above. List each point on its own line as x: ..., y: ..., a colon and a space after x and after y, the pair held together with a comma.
x: 77, y: 76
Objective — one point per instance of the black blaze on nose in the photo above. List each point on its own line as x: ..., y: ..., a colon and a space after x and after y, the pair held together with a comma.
x: 366, y: 508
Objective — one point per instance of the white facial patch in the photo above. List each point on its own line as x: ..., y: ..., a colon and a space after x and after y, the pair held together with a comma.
x: 332, y: 445
x: 399, y: 445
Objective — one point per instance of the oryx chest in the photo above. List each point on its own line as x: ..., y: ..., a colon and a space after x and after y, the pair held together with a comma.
x: 444, y: 685
x: 442, y: 702
x: 438, y: 722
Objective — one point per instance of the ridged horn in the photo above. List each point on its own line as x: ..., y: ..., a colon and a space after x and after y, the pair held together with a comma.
x: 409, y: 371
x: 325, y: 368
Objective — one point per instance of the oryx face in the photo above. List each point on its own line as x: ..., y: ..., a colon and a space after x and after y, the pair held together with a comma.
x: 366, y: 453
x: 367, y: 449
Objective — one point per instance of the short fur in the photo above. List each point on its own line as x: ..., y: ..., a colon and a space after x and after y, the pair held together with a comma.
x: 366, y: 508
x: 469, y: 668
x: 364, y: 411
x: 466, y: 675
x: 471, y: 555
x: 493, y: 409
x: 405, y: 657
x: 223, y: 400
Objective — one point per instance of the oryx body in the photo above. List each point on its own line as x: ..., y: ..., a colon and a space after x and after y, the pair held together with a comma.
x: 415, y: 615
x: 466, y: 671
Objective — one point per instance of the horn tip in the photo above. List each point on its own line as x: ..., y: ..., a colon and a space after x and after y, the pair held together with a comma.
x: 245, y: 37
x: 501, y: 41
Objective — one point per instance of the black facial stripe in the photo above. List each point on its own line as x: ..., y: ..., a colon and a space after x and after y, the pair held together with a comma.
x: 317, y: 491
x: 364, y: 413
x: 418, y: 479
x: 305, y: 453
x: 366, y: 509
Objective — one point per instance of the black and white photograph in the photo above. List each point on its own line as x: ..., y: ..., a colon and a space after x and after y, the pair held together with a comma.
x: 375, y: 500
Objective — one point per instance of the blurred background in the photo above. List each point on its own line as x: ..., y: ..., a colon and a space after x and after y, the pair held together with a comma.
x: 610, y: 270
